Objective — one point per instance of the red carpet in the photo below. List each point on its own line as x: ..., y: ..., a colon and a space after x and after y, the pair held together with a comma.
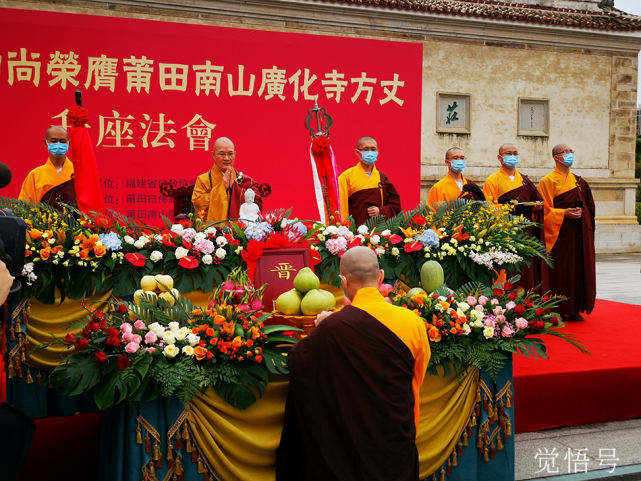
x: 572, y: 388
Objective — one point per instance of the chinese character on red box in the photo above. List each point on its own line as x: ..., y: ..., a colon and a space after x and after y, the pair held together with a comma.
x: 278, y: 268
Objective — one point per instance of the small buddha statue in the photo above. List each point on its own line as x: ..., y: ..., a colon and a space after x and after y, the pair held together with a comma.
x: 249, y: 210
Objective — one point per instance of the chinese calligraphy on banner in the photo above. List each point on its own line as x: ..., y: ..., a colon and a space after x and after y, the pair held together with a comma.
x: 160, y: 93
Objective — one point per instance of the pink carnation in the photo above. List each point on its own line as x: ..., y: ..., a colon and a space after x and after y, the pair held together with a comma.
x: 151, y: 337
x: 471, y: 301
x: 151, y: 349
x: 494, y: 301
x: 140, y: 325
x: 510, y: 305
x: 127, y: 337
x: 132, y: 348
x: 125, y: 327
x: 205, y: 246
x: 500, y: 318
x: 482, y: 300
x: 489, y: 323
x: 136, y: 338
x: 336, y: 246
x: 497, y: 310
x: 188, y: 235
x: 508, y: 331
x: 478, y: 308
x: 521, y: 323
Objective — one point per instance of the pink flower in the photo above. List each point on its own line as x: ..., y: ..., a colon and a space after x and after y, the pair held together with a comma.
x: 125, y: 327
x: 336, y: 246
x: 151, y: 349
x: 127, y: 337
x: 471, y: 301
x: 136, y: 338
x: 500, y: 318
x: 140, y: 325
x: 151, y: 337
x: 205, y: 246
x: 482, y: 300
x: 188, y: 234
x: 478, y: 308
x: 497, y: 310
x: 510, y: 305
x: 489, y: 323
x: 507, y: 331
x: 494, y: 301
x: 521, y: 323
x: 132, y: 348
x: 345, y: 232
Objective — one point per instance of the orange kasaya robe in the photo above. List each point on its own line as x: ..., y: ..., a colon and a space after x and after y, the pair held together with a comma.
x: 218, y: 202
x: 358, y: 192
x: 570, y: 240
x: 447, y: 189
x: 45, y: 184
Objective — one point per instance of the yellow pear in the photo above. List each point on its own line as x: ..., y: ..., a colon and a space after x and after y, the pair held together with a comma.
x: 148, y: 283
x: 165, y: 283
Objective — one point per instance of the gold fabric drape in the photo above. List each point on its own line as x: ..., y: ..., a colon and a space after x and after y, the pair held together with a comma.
x: 241, y: 445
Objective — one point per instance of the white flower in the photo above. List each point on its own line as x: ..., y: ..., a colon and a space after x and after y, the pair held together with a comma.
x: 139, y: 244
x: 375, y: 239
x: 61, y: 253
x: 51, y: 241
x: 158, y: 237
x: 478, y: 315
x: 207, y: 259
x: 321, y: 237
x: 129, y: 239
x: 188, y: 351
x: 363, y: 230
x: 200, y: 236
x: 174, y: 326
x: 442, y: 298
x: 221, y: 241
x: 395, y: 251
x: 177, y: 228
x: 466, y: 329
x: 192, y: 339
x: 283, y: 223
x: 478, y: 323
x: 181, y: 252
x: 169, y: 337
x: 332, y: 229
x: 488, y: 332
x: 438, y: 307
x: 181, y: 334
x: 170, y: 351
x: 386, y: 232
x: 463, y: 306
x: 156, y: 256
x: 460, y: 313
x: 210, y: 231
x: 221, y: 253
x: 380, y: 251
x: 113, y: 255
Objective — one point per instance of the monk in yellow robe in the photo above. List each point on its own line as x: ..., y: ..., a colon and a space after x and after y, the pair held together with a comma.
x: 508, y: 185
x: 454, y: 185
x: 352, y: 410
x: 219, y: 193
x: 365, y: 191
x: 569, y: 233
x: 53, y: 181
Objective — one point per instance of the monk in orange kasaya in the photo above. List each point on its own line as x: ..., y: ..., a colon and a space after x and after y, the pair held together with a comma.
x: 569, y: 233
x: 52, y: 182
x: 454, y: 185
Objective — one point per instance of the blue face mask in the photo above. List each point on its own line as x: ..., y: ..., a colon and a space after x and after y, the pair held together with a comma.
x: 568, y: 160
x: 58, y: 149
x: 457, y: 166
x: 369, y: 157
x: 510, y: 161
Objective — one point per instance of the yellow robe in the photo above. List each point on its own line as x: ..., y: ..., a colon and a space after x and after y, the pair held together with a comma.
x: 499, y: 183
x: 354, y: 180
x: 44, y: 178
x: 444, y: 190
x: 551, y: 186
x: 214, y: 199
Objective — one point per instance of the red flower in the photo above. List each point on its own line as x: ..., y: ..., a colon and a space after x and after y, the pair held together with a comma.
x: 99, y: 357
x: 80, y: 344
x: 112, y: 332
x: 103, y: 222
x: 234, y: 242
x: 188, y: 262
x: 229, y: 237
x: 540, y: 311
x: 508, y: 286
x: 168, y: 237
x: 254, y: 251
x: 513, y: 295
x: 123, y: 362
x: 136, y: 259
x: 78, y: 116
x: 186, y: 245
x: 545, y: 298
x: 70, y: 338
x: 320, y: 146
x: 185, y: 223
x: 92, y: 326
x: 113, y: 341
x: 519, y: 310
x: 98, y: 317
x: 356, y: 242
x: 413, y: 247
x: 554, y: 321
x: 547, y: 311
x: 122, y: 309
x: 85, y: 333
x: 520, y: 288
x: 537, y: 324
x: 316, y: 257
x: 419, y: 220
x: 498, y: 293
x: 395, y: 239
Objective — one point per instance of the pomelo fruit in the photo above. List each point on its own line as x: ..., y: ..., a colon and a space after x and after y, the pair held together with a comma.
x: 148, y: 283
x: 306, y: 280
x: 314, y: 303
x: 414, y: 291
x: 168, y: 282
x: 289, y: 303
x: 330, y: 298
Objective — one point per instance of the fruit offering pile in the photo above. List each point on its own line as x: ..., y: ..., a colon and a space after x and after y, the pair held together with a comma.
x: 157, y: 290
x: 306, y: 297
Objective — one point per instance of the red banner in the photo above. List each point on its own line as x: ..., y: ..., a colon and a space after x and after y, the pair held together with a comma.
x: 160, y: 93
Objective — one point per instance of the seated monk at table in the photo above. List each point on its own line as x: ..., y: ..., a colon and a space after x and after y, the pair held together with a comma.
x: 352, y: 411
x: 365, y: 191
x: 454, y: 184
x: 53, y: 181
x: 219, y: 193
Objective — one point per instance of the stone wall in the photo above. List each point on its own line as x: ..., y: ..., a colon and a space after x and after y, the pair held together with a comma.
x: 574, y: 4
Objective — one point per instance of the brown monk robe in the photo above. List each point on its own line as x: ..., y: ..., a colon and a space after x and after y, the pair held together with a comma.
x: 365, y: 191
x: 508, y: 185
x: 352, y: 409
x: 219, y: 193
x: 569, y: 234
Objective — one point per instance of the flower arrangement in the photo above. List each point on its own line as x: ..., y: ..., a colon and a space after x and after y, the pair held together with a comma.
x: 141, y: 351
x: 476, y: 325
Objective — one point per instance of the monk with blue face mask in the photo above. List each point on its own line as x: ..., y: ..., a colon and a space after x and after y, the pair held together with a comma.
x: 365, y: 191
x: 454, y: 185
x: 52, y: 182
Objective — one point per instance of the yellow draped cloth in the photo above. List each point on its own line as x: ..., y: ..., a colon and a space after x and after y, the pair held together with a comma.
x: 44, y: 178
x: 212, y: 196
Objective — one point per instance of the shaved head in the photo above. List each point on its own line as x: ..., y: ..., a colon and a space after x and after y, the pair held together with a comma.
x: 559, y: 148
x: 365, y: 139
x: 504, y: 146
x: 57, y: 131
x: 360, y: 266
x: 224, y: 143
x: 452, y: 150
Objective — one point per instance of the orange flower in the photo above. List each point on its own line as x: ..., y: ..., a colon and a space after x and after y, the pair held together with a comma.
x: 200, y: 352
x: 99, y: 251
x: 62, y: 236
x: 415, y: 311
x: 237, y: 342
x: 45, y: 253
x: 229, y: 327
x: 258, y: 358
x: 35, y: 234
x: 418, y: 299
x: 210, y: 332
x: 453, y: 330
x: 56, y: 249
x: 84, y: 254
x: 194, y: 330
x: 434, y: 335
x: 196, y: 312
x: 89, y: 242
x: 218, y: 320
x: 203, y: 327
x: 458, y: 235
x: 209, y: 355
x: 27, y: 253
x: 255, y: 332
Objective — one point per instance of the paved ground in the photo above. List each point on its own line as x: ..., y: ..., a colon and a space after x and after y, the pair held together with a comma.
x: 593, y: 448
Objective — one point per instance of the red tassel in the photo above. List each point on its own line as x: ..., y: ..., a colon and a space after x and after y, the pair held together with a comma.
x: 448, y: 471
x: 206, y: 475
x: 147, y: 444
x: 492, y: 451
x: 179, y: 442
x: 485, y: 403
x: 478, y: 410
x: 469, y: 432
x: 194, y: 456
x: 459, y: 449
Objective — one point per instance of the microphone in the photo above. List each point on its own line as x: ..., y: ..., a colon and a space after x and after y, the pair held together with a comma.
x: 5, y: 175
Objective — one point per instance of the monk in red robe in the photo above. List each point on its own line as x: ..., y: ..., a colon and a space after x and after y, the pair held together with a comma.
x: 219, y: 193
x: 352, y: 410
x: 454, y: 185
x: 569, y: 233
x: 52, y: 182
x: 365, y: 191
x: 508, y: 185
